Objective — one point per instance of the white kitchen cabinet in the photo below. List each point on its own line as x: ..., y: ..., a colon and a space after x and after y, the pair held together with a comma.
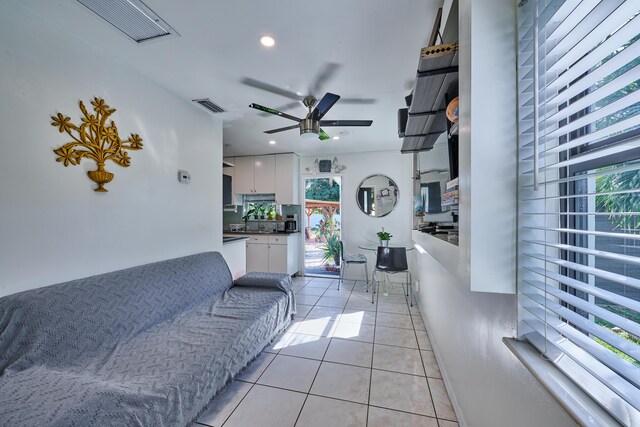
x: 277, y: 174
x: 258, y: 253
x: 287, y: 170
x: 278, y: 258
x: 243, y: 175
x: 264, y: 168
x: 274, y: 253
x: 255, y: 174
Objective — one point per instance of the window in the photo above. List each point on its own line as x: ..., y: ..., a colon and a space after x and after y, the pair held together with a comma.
x: 258, y: 207
x: 579, y: 194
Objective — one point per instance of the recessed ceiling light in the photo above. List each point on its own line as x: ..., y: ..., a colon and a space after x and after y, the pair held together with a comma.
x: 272, y: 142
x: 336, y: 137
x: 267, y: 41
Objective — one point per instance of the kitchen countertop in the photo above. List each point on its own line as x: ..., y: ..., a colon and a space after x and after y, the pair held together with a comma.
x: 273, y: 233
x: 229, y: 239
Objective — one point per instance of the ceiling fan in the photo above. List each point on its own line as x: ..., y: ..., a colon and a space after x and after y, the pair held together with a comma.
x: 310, y: 126
x: 326, y: 73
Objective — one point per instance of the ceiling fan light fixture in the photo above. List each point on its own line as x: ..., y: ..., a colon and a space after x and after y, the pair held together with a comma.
x: 308, y: 135
x: 309, y: 128
x: 267, y: 41
x: 272, y: 142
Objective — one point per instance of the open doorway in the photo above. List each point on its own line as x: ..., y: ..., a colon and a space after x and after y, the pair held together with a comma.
x: 322, y: 226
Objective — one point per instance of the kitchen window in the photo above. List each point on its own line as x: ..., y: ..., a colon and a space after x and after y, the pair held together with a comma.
x: 579, y: 194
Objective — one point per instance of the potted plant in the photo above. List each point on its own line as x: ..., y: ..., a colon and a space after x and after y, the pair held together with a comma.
x: 331, y: 250
x: 384, y: 237
x: 251, y: 211
x: 271, y: 213
x: 261, y: 210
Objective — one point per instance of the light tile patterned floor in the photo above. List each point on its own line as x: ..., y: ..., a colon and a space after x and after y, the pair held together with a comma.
x: 343, y: 362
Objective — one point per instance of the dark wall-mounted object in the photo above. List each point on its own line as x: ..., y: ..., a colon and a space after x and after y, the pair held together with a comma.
x: 324, y: 166
x: 403, y: 115
x: 408, y: 99
x: 431, y: 197
x: 452, y: 141
x: 226, y: 190
x: 453, y: 157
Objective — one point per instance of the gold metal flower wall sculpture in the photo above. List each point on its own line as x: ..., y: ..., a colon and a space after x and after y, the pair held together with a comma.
x: 95, y: 140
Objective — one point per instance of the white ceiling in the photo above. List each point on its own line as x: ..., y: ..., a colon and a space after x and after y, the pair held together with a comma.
x: 377, y: 43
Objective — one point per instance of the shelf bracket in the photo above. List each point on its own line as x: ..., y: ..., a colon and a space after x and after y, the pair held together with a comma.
x: 426, y: 113
x: 438, y: 71
x: 423, y: 135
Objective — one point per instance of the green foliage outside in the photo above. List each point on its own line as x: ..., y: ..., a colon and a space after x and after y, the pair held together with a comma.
x: 618, y: 352
x: 632, y: 87
x: 328, y: 226
x: 331, y: 250
x: 329, y: 230
x: 627, y: 314
x: 625, y: 201
x: 623, y: 181
x: 325, y: 189
x: 616, y: 204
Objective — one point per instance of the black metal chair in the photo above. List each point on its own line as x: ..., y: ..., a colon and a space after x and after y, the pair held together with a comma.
x: 352, y: 259
x: 391, y: 261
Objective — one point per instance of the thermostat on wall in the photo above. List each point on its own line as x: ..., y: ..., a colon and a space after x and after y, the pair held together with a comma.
x: 184, y: 177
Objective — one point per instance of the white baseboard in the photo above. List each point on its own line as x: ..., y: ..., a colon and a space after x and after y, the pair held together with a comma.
x: 443, y: 373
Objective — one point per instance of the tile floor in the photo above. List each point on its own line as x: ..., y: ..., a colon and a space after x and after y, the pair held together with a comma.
x: 343, y: 362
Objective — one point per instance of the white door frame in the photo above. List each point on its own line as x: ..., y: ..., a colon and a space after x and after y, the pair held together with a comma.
x: 303, y: 178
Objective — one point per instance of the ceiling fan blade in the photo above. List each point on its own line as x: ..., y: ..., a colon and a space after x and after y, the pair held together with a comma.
x: 327, y: 101
x: 274, y: 112
x: 270, y: 88
x: 358, y: 101
x: 346, y: 123
x: 285, y: 107
x: 282, y: 129
x: 325, y: 74
x: 322, y: 135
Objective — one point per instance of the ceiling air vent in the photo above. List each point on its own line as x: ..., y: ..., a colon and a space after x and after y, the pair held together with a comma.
x: 132, y: 17
x: 206, y: 103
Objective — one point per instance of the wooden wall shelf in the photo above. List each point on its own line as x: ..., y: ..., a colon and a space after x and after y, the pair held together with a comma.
x: 436, y: 79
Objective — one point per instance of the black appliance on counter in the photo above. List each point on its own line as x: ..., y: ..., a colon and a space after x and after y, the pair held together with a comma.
x: 291, y: 223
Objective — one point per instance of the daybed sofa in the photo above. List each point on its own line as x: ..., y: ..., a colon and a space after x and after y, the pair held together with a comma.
x: 146, y: 346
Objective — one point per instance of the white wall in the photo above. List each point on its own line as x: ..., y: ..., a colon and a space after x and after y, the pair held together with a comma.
x: 487, y: 384
x: 53, y: 226
x: 488, y: 144
x: 358, y: 228
x: 490, y: 386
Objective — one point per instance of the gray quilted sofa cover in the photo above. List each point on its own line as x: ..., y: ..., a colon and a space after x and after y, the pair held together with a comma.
x: 146, y: 346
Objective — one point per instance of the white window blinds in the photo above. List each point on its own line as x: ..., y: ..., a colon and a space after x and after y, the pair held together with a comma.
x: 579, y: 193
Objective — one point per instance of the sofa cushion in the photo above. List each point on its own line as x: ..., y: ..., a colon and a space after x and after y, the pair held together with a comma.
x: 270, y: 280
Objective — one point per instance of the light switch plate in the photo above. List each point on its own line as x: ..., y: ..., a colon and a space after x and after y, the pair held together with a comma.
x: 184, y: 176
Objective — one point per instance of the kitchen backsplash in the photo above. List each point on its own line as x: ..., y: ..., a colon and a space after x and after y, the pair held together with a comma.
x: 233, y: 215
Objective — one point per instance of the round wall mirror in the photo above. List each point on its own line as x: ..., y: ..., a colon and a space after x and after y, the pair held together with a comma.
x: 377, y: 195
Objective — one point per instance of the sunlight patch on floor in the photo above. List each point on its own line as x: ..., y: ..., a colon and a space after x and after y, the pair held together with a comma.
x: 355, y: 317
